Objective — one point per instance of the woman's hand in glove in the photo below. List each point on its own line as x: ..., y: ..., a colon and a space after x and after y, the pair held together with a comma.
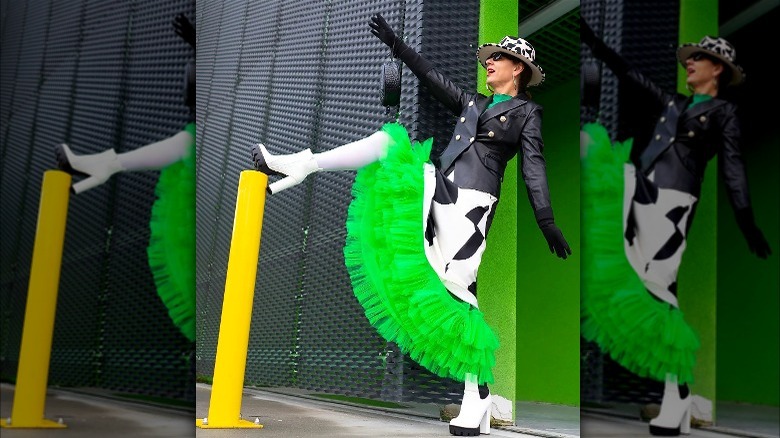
x: 555, y: 240
x: 184, y: 29
x: 587, y: 35
x: 382, y: 30
x: 756, y: 241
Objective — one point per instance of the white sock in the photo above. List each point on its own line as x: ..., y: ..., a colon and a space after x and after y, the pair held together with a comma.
x: 157, y: 155
x: 353, y: 156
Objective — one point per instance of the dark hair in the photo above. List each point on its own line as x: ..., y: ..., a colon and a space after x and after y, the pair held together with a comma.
x: 525, y: 77
x: 724, y: 80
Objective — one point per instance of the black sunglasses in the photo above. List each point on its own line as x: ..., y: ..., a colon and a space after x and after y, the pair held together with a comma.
x: 501, y: 55
x: 698, y: 56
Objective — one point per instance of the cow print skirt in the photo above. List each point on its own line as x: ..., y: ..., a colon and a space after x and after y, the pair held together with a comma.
x: 456, y: 222
x: 656, y: 222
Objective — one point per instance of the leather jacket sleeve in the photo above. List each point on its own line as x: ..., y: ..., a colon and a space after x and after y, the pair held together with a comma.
x: 444, y: 90
x: 623, y: 69
x: 732, y: 164
x: 532, y: 164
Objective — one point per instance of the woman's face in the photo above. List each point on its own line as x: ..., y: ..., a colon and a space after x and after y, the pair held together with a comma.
x: 702, y: 69
x: 501, y: 71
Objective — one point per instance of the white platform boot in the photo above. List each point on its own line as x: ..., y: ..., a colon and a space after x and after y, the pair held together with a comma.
x: 474, y: 417
x: 96, y: 167
x: 675, y: 415
x: 296, y: 167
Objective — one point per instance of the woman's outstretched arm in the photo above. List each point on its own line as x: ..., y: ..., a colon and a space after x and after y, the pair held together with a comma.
x: 444, y: 90
x: 622, y: 69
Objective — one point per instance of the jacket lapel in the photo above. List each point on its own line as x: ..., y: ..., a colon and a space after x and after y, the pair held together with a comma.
x: 502, y: 107
x: 701, y: 108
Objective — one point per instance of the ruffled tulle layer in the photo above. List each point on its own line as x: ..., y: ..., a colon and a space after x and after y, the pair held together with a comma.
x: 171, y: 249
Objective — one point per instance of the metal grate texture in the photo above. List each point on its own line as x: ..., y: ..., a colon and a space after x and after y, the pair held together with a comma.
x: 94, y: 75
x: 646, y: 36
x: 296, y: 76
x: 556, y: 48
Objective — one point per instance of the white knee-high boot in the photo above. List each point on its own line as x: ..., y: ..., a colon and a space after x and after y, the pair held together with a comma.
x: 474, y: 417
x: 675, y: 415
x: 296, y: 167
x: 100, y: 166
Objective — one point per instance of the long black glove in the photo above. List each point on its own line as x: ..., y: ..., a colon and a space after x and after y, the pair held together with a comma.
x: 416, y: 63
x: 756, y: 241
x: 601, y: 51
x: 184, y: 29
x: 553, y: 234
x: 384, y: 32
x: 587, y: 36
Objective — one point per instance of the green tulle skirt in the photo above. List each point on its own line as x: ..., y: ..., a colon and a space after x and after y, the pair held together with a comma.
x: 402, y: 296
x: 171, y: 249
x: 648, y: 337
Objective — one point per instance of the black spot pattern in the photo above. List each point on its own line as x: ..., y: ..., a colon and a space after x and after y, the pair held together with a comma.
x: 473, y: 288
x: 475, y: 241
x: 673, y: 244
x: 446, y: 191
x: 646, y: 192
x: 430, y: 230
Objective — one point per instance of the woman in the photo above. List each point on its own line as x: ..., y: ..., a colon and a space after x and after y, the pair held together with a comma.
x: 423, y: 297
x: 171, y: 248
x: 632, y: 312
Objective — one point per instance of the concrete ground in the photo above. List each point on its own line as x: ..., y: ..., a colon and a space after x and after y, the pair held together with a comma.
x: 93, y: 416
x: 297, y: 413
x: 88, y: 414
x: 301, y: 415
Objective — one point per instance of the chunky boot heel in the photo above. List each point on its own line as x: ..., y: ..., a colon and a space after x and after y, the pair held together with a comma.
x: 474, y: 416
x: 675, y: 415
x: 484, y: 427
x: 96, y: 167
x: 258, y: 158
x: 685, y: 426
x: 61, y: 152
x: 294, y: 167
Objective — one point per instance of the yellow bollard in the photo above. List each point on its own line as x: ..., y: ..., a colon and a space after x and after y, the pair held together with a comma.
x: 228, y: 385
x: 38, y: 330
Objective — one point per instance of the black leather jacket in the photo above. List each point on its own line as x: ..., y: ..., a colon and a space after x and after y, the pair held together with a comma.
x: 483, y: 143
x: 685, y: 139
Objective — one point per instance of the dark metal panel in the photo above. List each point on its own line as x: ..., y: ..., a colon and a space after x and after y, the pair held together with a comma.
x: 96, y: 75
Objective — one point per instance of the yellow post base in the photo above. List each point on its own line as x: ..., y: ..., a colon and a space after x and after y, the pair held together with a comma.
x: 237, y: 424
x: 41, y: 424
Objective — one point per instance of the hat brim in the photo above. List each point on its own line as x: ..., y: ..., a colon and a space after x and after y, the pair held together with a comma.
x: 686, y: 50
x: 485, y: 51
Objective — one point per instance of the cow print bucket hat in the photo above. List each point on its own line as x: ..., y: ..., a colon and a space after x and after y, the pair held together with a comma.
x: 517, y: 47
x: 718, y: 48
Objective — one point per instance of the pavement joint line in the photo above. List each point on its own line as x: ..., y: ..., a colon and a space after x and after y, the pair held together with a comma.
x: 538, y: 432
x: 320, y: 400
x: 264, y: 393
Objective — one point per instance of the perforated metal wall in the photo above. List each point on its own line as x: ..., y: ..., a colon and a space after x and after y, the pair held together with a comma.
x: 95, y: 75
x: 295, y: 76
x: 645, y: 34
